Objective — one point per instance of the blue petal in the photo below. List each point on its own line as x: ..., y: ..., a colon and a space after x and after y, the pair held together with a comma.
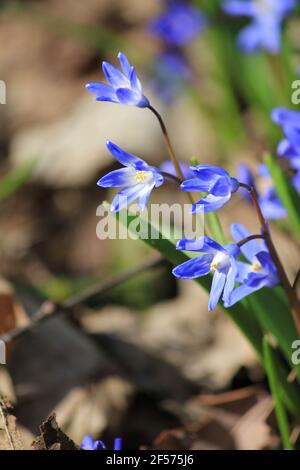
x: 88, y: 443
x: 132, y: 98
x: 271, y: 36
x: 125, y: 197
x: 285, y: 149
x: 249, y: 39
x: 144, y: 196
x: 191, y: 245
x: 193, y: 268
x: 222, y: 187
x: 216, y: 289
x: 292, y: 133
x: 116, y: 78
x: 230, y: 281
x: 195, y: 185
x: 284, y: 116
x: 211, y: 246
x: 210, y: 203
x: 118, y: 443
x: 250, y: 249
x: 265, y: 259
x: 239, y: 8
x: 158, y: 177
x: 118, y: 178
x: 256, y: 280
x: 271, y: 205
x: 208, y: 173
x: 238, y: 294
x: 134, y: 81
x: 102, y: 91
x: 126, y: 158
x: 244, y: 269
x: 124, y: 62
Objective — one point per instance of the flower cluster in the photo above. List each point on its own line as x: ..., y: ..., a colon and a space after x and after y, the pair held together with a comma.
x: 232, y: 279
x: 264, y: 31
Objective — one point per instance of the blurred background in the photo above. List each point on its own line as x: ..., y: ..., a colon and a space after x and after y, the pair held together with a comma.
x: 144, y: 360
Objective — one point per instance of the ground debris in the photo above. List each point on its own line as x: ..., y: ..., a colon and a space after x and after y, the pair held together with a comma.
x: 52, y: 437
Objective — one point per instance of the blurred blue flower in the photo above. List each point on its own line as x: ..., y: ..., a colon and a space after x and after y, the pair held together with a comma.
x: 264, y: 32
x: 221, y: 261
x: 270, y: 204
x: 171, y: 70
x: 213, y: 180
x: 246, y: 176
x: 137, y: 179
x: 168, y: 167
x: 289, y: 147
x: 124, y: 87
x: 260, y: 272
x: 88, y: 443
x: 179, y: 25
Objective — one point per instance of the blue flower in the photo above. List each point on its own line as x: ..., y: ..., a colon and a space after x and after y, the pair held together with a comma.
x: 179, y: 25
x: 270, y: 204
x: 137, y: 179
x: 168, y: 167
x: 124, y: 87
x: 213, y: 180
x: 171, y: 71
x: 267, y: 16
x: 88, y: 443
x: 258, y: 273
x: 221, y: 261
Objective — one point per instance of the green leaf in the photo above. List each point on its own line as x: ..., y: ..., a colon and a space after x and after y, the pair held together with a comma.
x: 286, y: 192
x: 16, y: 179
x: 270, y: 366
x: 265, y: 311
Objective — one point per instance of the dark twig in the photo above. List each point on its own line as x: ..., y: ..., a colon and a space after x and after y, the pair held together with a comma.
x: 249, y: 239
x: 50, y: 309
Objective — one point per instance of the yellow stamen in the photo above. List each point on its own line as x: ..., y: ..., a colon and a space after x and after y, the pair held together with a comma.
x: 256, y: 268
x: 140, y: 176
x: 213, y: 267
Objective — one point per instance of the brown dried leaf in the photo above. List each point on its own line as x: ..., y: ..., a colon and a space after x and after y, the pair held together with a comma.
x: 10, y: 438
x: 52, y: 437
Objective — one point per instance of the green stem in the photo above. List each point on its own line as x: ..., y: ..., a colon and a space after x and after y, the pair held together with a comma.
x: 270, y: 368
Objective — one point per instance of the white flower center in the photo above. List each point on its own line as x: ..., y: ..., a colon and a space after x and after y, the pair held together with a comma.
x: 219, y: 262
x: 143, y: 176
x: 264, y: 6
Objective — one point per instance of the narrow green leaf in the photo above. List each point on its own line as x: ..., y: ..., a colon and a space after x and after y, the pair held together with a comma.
x: 15, y: 179
x: 270, y: 367
x: 286, y: 192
